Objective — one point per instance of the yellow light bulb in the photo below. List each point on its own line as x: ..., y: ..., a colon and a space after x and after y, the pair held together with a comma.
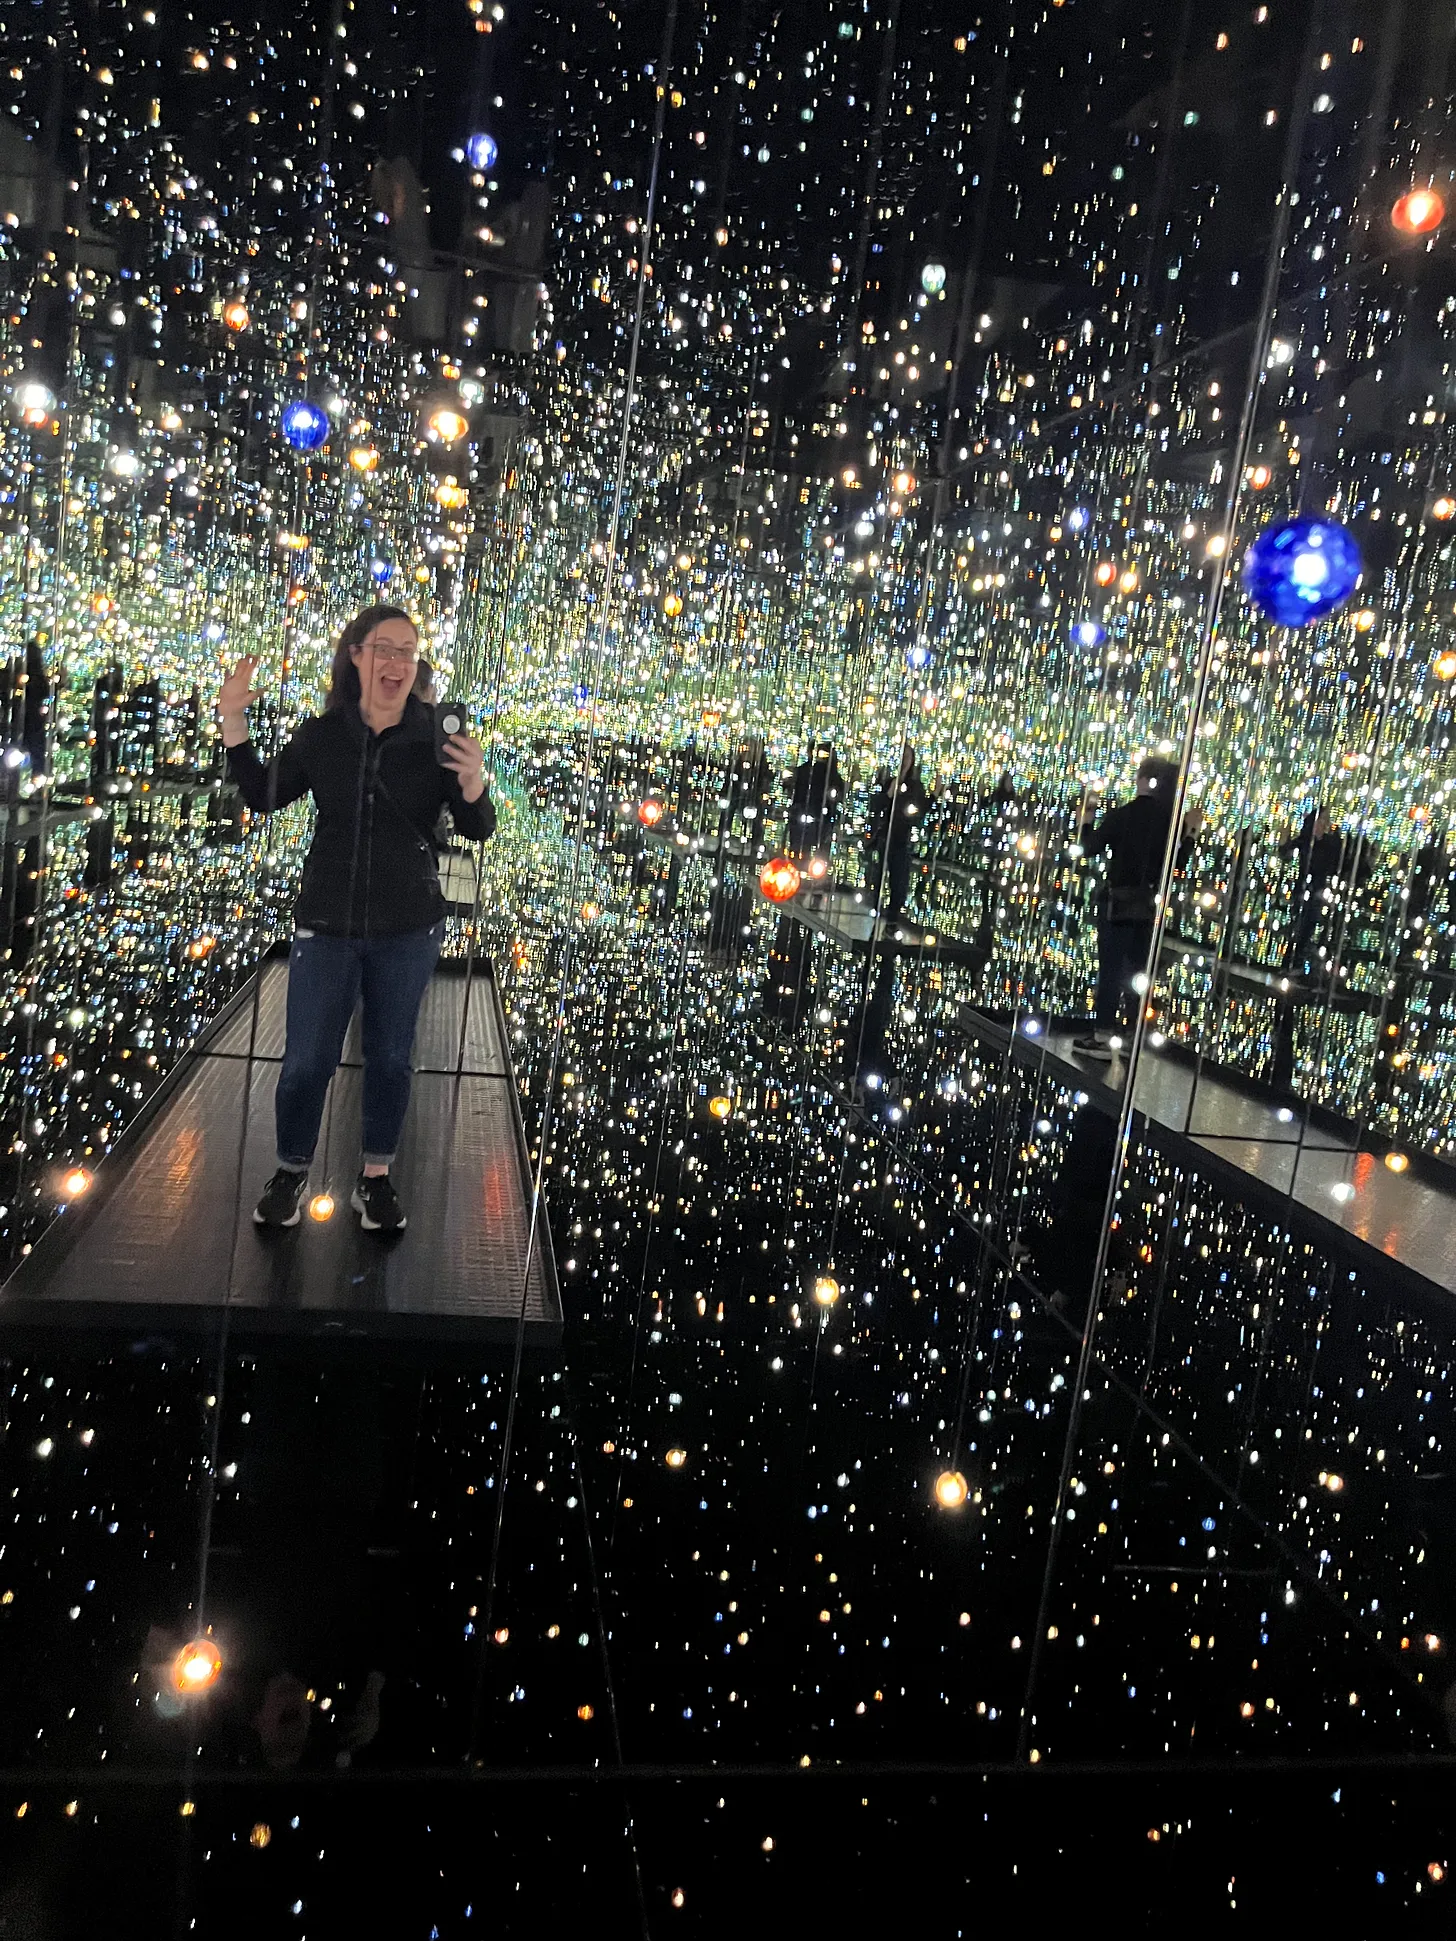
x: 951, y: 1490
x: 825, y: 1290
x: 321, y: 1207
x: 675, y: 1458
x: 196, y: 1666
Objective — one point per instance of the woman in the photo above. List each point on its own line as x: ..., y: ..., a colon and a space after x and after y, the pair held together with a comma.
x: 369, y: 917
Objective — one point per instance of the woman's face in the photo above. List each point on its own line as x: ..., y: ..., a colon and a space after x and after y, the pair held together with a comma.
x: 386, y: 661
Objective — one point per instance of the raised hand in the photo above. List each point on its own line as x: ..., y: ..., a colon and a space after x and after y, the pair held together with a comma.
x: 237, y: 691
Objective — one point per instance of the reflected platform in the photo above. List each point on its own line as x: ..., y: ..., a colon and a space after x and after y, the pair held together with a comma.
x: 1269, y: 1148
x: 844, y: 917
x: 165, y: 1242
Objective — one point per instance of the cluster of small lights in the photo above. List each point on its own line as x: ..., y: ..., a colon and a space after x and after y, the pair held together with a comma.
x: 834, y: 1249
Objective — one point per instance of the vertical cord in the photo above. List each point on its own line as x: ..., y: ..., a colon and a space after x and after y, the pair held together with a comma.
x: 578, y: 845
x: 1258, y: 356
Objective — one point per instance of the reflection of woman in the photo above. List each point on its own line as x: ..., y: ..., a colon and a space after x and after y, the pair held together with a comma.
x: 897, y: 808
x: 370, y: 917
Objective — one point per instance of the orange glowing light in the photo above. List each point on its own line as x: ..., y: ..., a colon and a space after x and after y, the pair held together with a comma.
x: 720, y: 1106
x: 196, y: 1666
x: 1444, y: 507
x: 1106, y: 572
x: 651, y: 813
x: 448, y: 424
x: 321, y: 1207
x: 1445, y: 668
x: 825, y: 1290
x: 779, y: 879
x: 503, y: 1635
x: 236, y: 317
x: 1259, y: 477
x: 585, y: 1712
x: 1364, y: 620
x: 451, y: 496
x: 76, y: 1182
x: 951, y: 1489
x: 818, y: 867
x: 364, y: 458
x: 675, y: 1458
x: 672, y: 605
x: 1128, y: 582
x: 1418, y: 212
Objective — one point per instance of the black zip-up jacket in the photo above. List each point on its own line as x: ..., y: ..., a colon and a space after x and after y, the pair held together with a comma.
x: 371, y: 869
x: 1134, y: 837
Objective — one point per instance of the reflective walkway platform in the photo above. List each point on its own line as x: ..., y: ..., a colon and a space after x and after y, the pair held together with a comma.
x: 1266, y: 1146
x: 165, y: 1242
x: 845, y: 917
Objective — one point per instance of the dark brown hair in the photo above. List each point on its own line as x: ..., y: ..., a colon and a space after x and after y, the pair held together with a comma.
x: 343, y: 674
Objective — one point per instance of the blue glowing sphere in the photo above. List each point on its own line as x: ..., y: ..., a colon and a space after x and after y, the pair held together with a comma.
x: 304, y: 424
x: 481, y: 152
x: 919, y: 656
x: 380, y: 571
x: 1088, y: 633
x: 1301, y: 570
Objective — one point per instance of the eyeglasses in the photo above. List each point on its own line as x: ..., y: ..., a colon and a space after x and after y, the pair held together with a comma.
x: 383, y: 650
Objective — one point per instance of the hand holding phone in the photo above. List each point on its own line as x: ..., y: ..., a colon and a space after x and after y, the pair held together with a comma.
x: 455, y: 748
x: 450, y: 719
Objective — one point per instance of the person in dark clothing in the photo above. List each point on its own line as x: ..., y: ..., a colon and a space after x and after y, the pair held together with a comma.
x: 1318, y: 848
x: 1134, y: 838
x: 370, y: 917
x: 816, y: 790
x: 897, y: 808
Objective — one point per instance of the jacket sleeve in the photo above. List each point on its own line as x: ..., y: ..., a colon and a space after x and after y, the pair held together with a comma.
x: 1099, y: 838
x: 473, y: 820
x: 267, y: 786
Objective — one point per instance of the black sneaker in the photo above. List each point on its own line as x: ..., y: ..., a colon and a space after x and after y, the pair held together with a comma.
x: 1092, y: 1046
x: 279, y: 1204
x: 377, y: 1204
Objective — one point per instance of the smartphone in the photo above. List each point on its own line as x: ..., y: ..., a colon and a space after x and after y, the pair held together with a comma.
x: 450, y: 719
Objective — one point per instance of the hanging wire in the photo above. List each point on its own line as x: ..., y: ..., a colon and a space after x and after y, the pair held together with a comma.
x: 578, y: 845
x: 1258, y: 359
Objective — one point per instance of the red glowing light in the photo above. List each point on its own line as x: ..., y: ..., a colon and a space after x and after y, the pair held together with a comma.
x: 1418, y: 212
x: 779, y: 880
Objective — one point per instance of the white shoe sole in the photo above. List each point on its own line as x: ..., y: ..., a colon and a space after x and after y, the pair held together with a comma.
x: 356, y: 1200
x: 259, y: 1221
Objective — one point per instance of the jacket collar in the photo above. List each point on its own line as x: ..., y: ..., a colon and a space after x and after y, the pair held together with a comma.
x: 416, y: 724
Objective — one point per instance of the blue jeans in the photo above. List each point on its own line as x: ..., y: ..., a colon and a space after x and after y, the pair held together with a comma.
x: 326, y: 976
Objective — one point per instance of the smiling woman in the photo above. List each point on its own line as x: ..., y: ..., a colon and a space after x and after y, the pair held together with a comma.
x: 370, y: 916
